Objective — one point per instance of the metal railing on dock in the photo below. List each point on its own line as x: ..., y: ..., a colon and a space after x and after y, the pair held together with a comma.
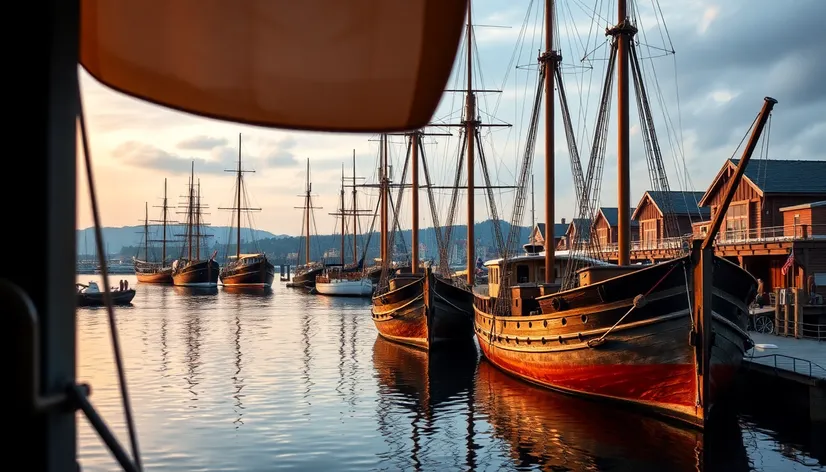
x: 807, y: 368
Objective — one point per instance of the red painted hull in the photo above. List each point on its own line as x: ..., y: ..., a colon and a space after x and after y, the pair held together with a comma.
x: 645, y: 360
x: 424, y: 311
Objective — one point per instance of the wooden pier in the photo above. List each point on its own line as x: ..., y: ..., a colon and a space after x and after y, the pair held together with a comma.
x: 798, y: 361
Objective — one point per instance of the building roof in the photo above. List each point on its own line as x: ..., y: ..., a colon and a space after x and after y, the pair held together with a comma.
x: 786, y: 176
x: 559, y: 229
x: 583, y: 227
x: 804, y: 206
x: 611, y: 215
x: 682, y: 203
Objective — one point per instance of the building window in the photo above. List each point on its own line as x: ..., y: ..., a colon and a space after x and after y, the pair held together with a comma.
x: 649, y: 233
x: 737, y: 222
x: 797, y: 219
x: 602, y: 234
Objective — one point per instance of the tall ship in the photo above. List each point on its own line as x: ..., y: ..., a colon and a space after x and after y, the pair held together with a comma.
x: 348, y: 280
x: 428, y: 306
x: 160, y: 271
x: 190, y: 270
x: 245, y: 270
x: 666, y: 338
x: 306, y: 273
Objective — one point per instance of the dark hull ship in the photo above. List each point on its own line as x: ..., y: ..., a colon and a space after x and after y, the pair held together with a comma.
x: 195, y: 273
x: 305, y: 277
x: 610, y: 341
x: 424, y: 310
x: 252, y: 270
x: 245, y: 270
x: 191, y: 271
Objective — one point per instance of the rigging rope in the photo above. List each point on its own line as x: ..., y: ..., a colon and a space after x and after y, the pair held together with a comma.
x: 113, y: 328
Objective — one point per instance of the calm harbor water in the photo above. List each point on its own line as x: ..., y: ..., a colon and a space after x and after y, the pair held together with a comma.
x: 286, y: 380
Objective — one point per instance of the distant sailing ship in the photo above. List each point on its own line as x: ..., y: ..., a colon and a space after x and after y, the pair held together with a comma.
x: 305, y: 274
x: 347, y: 280
x: 154, y: 272
x: 192, y: 271
x: 245, y: 270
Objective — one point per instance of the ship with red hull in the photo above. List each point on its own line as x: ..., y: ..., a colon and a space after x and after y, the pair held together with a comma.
x: 581, y: 341
x: 424, y: 310
x: 190, y: 270
x: 154, y: 272
x: 149, y: 273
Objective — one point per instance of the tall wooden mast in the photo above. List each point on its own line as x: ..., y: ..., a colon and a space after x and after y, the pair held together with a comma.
x: 307, y: 205
x: 343, y: 222
x: 190, y: 211
x: 470, y: 130
x: 238, y: 204
x: 163, y: 256
x: 383, y: 196
x: 623, y: 32
x: 550, y: 60
x: 355, y: 214
x: 198, y: 221
x: 414, y: 228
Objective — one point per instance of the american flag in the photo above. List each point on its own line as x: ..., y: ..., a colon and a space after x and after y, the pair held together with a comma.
x: 788, y: 264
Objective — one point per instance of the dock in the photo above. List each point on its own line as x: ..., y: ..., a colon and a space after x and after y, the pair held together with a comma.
x: 796, y: 361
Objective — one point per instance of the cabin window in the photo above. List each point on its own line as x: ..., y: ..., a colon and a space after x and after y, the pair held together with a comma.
x: 737, y: 222
x: 522, y: 274
x: 649, y: 233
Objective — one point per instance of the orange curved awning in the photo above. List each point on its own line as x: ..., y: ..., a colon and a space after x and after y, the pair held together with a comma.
x: 327, y: 65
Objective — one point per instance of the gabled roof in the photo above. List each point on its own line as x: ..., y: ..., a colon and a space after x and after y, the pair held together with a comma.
x: 559, y: 229
x: 582, y: 225
x: 777, y: 176
x: 611, y: 215
x: 682, y: 203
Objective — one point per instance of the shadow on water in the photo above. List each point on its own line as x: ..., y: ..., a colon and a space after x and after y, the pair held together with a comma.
x: 552, y: 431
x: 422, y: 386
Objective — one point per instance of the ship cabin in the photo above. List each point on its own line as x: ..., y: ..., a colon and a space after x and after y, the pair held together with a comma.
x: 525, y: 276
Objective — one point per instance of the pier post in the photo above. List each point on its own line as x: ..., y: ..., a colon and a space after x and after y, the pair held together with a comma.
x: 817, y: 403
x: 786, y: 309
x: 777, y: 311
x: 798, y: 308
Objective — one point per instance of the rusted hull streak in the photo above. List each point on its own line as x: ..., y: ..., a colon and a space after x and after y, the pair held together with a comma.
x: 401, y: 315
x: 197, y: 274
x: 258, y: 274
x: 647, y: 360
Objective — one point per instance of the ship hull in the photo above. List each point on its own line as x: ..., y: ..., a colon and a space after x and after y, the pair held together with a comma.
x: 306, y: 279
x: 197, y: 274
x: 647, y: 360
x: 163, y: 276
x: 345, y: 287
x: 425, y: 311
x: 259, y: 274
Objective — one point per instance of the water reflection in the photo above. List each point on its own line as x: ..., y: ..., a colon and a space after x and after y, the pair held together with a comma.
x: 559, y: 432
x: 192, y: 336
x: 248, y: 291
x: 194, y: 291
x: 307, y: 356
x: 414, y: 390
x: 237, y: 379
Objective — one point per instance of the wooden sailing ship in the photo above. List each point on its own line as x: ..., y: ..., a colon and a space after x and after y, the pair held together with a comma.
x: 191, y: 270
x: 639, y: 335
x: 421, y: 307
x: 245, y: 270
x: 305, y: 274
x: 343, y: 280
x: 147, y: 271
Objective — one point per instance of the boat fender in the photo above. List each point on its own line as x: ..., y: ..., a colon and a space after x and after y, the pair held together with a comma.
x: 748, y: 344
x: 640, y: 301
x: 596, y: 342
x: 559, y: 304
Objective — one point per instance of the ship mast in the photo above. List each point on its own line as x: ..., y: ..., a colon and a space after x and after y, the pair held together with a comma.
x: 470, y: 130
x: 307, y: 216
x: 146, y: 233
x: 343, y: 222
x: 383, y: 196
x: 190, y: 211
x: 623, y: 32
x: 163, y: 256
x: 355, y: 214
x: 238, y: 204
x: 551, y: 61
x: 414, y: 228
x: 198, y: 221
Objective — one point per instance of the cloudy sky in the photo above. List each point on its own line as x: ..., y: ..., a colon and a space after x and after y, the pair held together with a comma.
x: 728, y: 56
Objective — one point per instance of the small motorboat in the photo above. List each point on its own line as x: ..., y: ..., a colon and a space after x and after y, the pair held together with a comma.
x: 91, y: 295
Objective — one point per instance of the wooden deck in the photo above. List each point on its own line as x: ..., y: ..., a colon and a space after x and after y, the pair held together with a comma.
x: 801, y: 360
